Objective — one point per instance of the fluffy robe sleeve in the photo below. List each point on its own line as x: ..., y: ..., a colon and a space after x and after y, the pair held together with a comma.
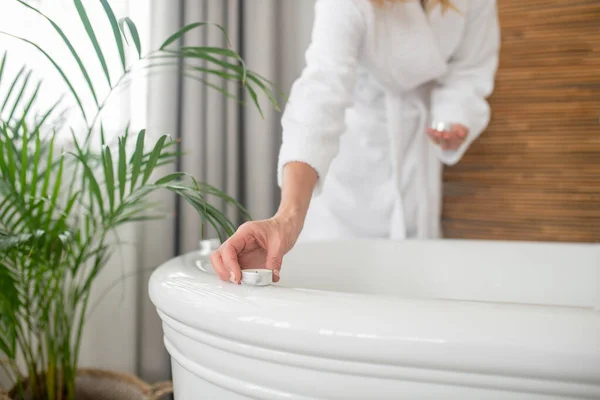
x: 313, y: 120
x: 461, y: 96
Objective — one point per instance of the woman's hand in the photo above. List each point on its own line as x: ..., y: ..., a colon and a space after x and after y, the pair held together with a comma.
x: 256, y: 244
x: 262, y: 244
x: 449, y: 140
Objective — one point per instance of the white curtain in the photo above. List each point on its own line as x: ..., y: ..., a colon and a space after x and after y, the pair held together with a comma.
x: 229, y: 146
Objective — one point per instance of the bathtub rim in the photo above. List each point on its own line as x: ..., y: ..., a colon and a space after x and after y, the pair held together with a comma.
x: 228, y: 323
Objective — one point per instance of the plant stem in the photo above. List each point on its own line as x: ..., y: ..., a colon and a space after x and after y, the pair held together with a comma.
x: 110, y: 92
x: 101, y: 107
x: 80, y: 325
x: 8, y: 371
x: 27, y: 355
x: 33, y: 367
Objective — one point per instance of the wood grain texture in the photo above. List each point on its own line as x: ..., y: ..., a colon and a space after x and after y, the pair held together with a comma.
x: 535, y: 173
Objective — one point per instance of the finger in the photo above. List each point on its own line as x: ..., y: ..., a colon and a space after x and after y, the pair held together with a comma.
x: 444, y: 138
x: 434, y: 135
x: 217, y: 263
x: 274, y: 262
x: 455, y: 143
x: 460, y: 135
x: 460, y: 131
x: 230, y: 261
x: 431, y: 132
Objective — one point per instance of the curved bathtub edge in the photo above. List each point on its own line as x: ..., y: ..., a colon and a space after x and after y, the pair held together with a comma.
x: 467, y: 379
x: 234, y: 385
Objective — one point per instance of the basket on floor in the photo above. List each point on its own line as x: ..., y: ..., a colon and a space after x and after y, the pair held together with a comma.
x: 95, y: 384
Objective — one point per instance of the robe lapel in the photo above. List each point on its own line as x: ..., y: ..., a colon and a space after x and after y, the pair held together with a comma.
x: 408, y: 52
x: 448, y: 29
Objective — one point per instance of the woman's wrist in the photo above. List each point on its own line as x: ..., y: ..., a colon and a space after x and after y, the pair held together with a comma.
x: 298, y: 184
x: 291, y: 216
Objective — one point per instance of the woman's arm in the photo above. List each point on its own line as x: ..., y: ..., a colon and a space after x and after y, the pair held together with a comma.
x: 313, y: 120
x: 312, y: 125
x: 299, y: 181
x: 461, y: 96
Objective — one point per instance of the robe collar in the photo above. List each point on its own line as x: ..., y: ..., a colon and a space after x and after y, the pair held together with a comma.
x: 411, y: 47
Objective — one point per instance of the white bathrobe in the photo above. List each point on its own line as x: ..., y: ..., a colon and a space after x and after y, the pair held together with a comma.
x: 375, y: 78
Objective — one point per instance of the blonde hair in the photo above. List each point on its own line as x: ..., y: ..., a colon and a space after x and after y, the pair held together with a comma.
x: 429, y: 4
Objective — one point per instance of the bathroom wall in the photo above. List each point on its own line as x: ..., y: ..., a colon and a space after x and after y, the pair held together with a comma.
x: 535, y: 173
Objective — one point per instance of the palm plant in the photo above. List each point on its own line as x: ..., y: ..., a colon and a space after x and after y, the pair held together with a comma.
x: 61, y: 204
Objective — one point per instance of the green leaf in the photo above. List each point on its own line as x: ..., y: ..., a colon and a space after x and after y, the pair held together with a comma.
x: 208, y: 189
x: 30, y: 103
x: 26, y: 216
x: 134, y: 33
x: 170, y: 178
x: 122, y: 167
x: 9, y: 297
x: 15, y: 213
x: 136, y: 159
x: 94, y: 186
x: 60, y: 71
x: 19, y: 96
x: 57, y: 175
x: 254, y: 97
x: 199, y: 52
x: 49, y: 163
x: 36, y: 162
x: 219, y: 89
x: 200, y: 207
x: 267, y: 91
x: 116, y: 32
x: 68, y: 209
x: 126, y: 136
x: 220, y: 74
x: 11, y: 164
x: 109, y: 176
x: 196, y: 197
x: 47, y: 114
x: 102, y: 139
x: 220, y: 218
x: 154, y: 156
x: 2, y: 65
x: 92, y: 35
x: 71, y: 49
x: 8, y: 336
x: 24, y: 154
x: 205, y: 52
x: 205, y: 81
x: 217, y: 219
x: 12, y: 87
x: 188, y: 28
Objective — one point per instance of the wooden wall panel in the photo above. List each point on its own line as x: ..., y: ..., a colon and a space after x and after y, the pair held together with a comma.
x: 535, y: 173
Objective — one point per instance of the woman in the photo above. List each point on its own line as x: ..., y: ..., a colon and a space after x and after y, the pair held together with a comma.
x: 356, y: 143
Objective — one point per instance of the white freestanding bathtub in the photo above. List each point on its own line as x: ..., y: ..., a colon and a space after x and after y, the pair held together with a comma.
x: 381, y: 320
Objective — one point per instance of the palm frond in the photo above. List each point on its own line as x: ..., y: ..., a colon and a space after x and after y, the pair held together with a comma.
x: 133, y: 31
x: 69, y: 45
x: 93, y: 39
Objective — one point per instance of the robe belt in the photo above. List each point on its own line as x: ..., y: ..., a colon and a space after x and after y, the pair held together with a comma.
x: 397, y: 109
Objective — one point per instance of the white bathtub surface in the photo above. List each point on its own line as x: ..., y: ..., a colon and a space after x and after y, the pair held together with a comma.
x: 389, y: 320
